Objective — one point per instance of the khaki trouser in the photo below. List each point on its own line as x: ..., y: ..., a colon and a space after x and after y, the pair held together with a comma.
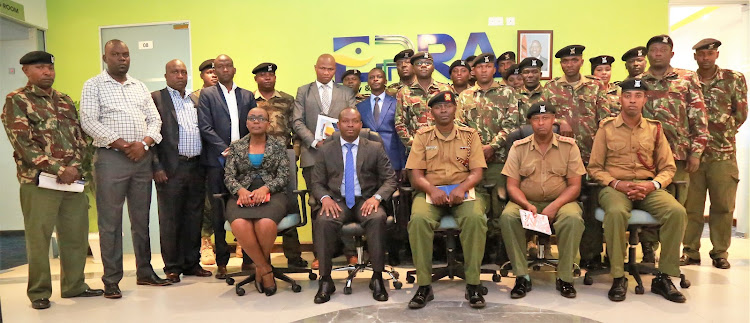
x: 662, y: 206
x: 652, y: 234
x: 45, y: 210
x: 720, y: 178
x: 568, y: 226
x: 472, y: 222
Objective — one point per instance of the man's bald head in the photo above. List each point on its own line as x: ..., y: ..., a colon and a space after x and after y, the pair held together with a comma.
x: 176, y: 75
x: 325, y: 68
x: 350, y: 124
x: 349, y: 112
x: 174, y: 63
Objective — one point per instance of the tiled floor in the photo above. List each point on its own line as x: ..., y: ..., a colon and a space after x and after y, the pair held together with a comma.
x: 715, y: 296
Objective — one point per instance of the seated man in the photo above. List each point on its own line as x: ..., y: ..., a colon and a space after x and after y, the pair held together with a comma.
x: 544, y: 176
x: 350, y: 179
x: 446, y: 154
x: 632, y: 158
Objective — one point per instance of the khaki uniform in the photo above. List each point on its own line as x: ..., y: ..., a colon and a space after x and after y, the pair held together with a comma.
x: 447, y: 160
x: 632, y: 154
x: 543, y: 177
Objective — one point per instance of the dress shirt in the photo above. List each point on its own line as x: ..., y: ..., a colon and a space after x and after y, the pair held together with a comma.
x: 189, y: 144
x: 357, y: 187
x: 234, y: 115
x: 372, y: 103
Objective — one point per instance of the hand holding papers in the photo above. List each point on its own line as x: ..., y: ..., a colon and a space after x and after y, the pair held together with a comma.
x: 535, y: 222
x: 49, y: 181
x: 326, y: 127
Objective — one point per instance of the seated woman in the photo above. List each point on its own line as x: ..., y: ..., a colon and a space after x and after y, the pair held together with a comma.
x: 257, y: 167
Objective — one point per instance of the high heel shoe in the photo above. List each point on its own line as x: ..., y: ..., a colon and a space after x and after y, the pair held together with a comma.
x: 258, y: 283
x: 269, y: 290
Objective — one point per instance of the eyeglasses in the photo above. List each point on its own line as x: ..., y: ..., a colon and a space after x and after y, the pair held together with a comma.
x: 423, y: 63
x: 259, y: 119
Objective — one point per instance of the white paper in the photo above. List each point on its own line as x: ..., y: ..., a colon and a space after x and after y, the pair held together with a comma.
x: 325, y: 127
x: 49, y: 181
x: 538, y: 222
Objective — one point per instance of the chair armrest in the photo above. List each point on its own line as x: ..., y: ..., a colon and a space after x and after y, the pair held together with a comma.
x: 221, y: 198
x: 406, y: 189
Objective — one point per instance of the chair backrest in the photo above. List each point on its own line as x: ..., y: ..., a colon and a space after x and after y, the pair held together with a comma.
x: 292, y: 202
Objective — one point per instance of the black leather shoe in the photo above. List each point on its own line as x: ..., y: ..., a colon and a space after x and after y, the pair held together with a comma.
x: 686, y: 261
x: 112, y: 291
x: 325, y: 289
x: 619, y: 289
x: 421, y: 297
x: 153, y: 280
x: 591, y: 264
x: 566, y: 289
x: 379, y: 292
x: 173, y: 278
x: 221, y: 272
x: 721, y: 263
x: 474, y: 296
x: 90, y: 293
x: 297, y: 262
x: 663, y: 286
x: 649, y: 255
x: 40, y: 304
x: 198, y: 271
x: 522, y: 287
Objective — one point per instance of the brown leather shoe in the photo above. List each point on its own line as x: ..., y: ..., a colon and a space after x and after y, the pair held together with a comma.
x: 221, y: 272
x: 173, y: 278
x: 200, y: 272
x: 352, y: 260
x: 315, y: 264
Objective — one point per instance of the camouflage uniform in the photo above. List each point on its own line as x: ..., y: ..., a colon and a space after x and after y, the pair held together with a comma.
x: 393, y: 89
x: 725, y: 96
x: 412, y: 112
x: 361, y: 97
x: 47, y: 137
x: 528, y: 98
x: 613, y: 98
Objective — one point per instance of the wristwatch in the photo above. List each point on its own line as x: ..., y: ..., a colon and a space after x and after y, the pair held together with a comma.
x: 657, y: 185
x: 378, y: 197
x: 145, y: 145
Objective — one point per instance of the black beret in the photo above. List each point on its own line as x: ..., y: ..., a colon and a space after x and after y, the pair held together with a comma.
x: 445, y: 96
x: 471, y: 59
x: 664, y: 39
x: 530, y: 62
x: 639, y: 51
x: 601, y: 60
x: 507, y: 56
x: 37, y: 57
x: 484, y: 58
x: 539, y: 108
x: 357, y: 73
x: 209, y: 63
x: 404, y: 54
x: 570, y: 50
x: 457, y: 63
x: 512, y: 70
x: 708, y: 43
x: 633, y: 84
x: 420, y: 55
x: 265, y: 67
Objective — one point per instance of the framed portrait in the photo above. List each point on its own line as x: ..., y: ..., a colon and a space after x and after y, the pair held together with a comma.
x: 537, y: 43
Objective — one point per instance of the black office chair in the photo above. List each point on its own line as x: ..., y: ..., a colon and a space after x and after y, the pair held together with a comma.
x: 354, y: 229
x: 290, y: 222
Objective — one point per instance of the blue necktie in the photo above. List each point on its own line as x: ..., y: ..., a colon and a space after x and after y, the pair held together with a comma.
x: 349, y: 176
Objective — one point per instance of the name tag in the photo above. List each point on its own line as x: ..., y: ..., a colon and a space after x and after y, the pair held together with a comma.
x: 430, y: 148
x: 464, y: 147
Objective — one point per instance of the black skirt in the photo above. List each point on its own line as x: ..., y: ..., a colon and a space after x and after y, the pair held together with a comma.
x: 275, y: 209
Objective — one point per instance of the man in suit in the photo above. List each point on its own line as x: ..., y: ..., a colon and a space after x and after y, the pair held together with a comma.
x: 222, y: 118
x: 350, y: 179
x: 320, y: 97
x: 180, y: 179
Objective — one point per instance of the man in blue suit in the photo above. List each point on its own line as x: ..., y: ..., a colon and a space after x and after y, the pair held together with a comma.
x: 378, y: 113
x: 222, y: 118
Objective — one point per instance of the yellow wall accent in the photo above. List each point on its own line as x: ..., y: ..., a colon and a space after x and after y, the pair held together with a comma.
x: 691, y: 18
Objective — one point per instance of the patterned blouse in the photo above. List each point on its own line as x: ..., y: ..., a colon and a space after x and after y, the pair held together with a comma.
x: 274, y: 171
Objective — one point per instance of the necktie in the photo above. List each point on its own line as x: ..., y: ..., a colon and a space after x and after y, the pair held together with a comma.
x: 325, y: 98
x: 349, y: 176
x: 376, y: 110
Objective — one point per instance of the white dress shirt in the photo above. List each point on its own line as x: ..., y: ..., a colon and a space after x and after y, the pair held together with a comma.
x: 234, y: 114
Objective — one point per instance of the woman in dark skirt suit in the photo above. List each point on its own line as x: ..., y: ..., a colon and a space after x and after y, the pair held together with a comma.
x: 257, y: 167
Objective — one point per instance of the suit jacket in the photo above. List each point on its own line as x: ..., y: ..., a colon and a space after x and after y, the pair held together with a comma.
x: 385, y: 126
x: 215, y: 124
x: 166, y: 153
x: 307, y: 107
x: 374, y: 171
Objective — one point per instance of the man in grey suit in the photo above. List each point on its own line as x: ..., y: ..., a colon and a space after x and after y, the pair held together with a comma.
x: 350, y: 179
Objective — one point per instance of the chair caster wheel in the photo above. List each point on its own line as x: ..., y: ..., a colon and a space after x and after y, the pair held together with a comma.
x: 576, y: 272
x: 230, y: 281
x: 536, y: 267
x: 410, y: 279
x: 684, y: 283
x: 347, y: 290
x: 504, y: 272
x: 587, y: 280
x: 397, y: 285
x: 496, y: 278
x: 240, y: 291
x: 312, y: 276
x: 395, y: 274
x: 296, y: 288
x: 485, y: 290
x: 639, y: 290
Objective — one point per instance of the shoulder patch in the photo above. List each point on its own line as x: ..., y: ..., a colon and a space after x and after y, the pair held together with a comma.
x: 465, y: 128
x: 591, y: 77
x: 606, y: 120
x: 522, y: 141
x: 652, y: 121
x: 569, y: 140
x: 556, y: 79
x: 424, y: 130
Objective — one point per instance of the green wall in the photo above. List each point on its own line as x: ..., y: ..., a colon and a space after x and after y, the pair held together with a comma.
x: 293, y: 33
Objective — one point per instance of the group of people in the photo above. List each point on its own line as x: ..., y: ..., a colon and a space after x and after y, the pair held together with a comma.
x: 447, y: 141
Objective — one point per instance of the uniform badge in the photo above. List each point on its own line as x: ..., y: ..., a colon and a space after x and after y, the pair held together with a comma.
x: 604, y: 60
x: 406, y: 55
x: 487, y: 59
x: 52, y: 59
x: 665, y: 40
x: 463, y: 63
x: 507, y: 56
x: 517, y: 72
x: 533, y: 62
x: 572, y: 51
x: 542, y: 109
x: 637, y: 83
x: 430, y: 148
x: 711, y: 46
x: 270, y: 68
x: 426, y: 55
x: 640, y: 52
x: 448, y: 97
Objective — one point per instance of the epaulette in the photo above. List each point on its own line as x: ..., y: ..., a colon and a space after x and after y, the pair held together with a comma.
x: 652, y: 121
x: 569, y: 140
x: 591, y: 77
x: 425, y: 129
x: 522, y: 141
x: 556, y: 79
x: 605, y: 121
x: 467, y: 129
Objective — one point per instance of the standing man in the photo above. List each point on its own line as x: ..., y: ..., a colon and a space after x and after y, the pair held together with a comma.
x: 446, y: 155
x: 601, y: 68
x: 632, y: 160
x: 42, y: 126
x: 531, y: 92
x: 412, y: 112
x: 725, y: 95
x: 118, y: 113
x: 222, y: 118
x: 553, y: 194
x: 279, y: 106
x: 504, y: 62
x: 352, y: 79
x: 208, y: 75
x: 635, y: 61
x: 459, y: 72
x: 180, y: 179
x: 405, y: 72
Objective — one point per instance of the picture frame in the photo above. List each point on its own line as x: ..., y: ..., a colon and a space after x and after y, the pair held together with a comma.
x: 537, y: 43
